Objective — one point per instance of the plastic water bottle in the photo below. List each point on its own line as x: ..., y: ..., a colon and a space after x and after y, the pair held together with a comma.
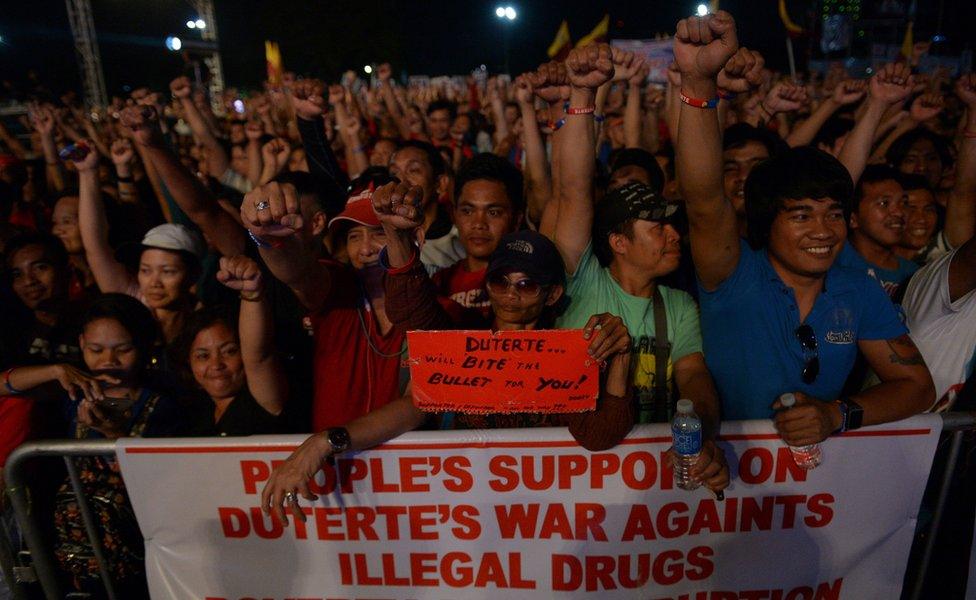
x: 686, y: 436
x: 805, y: 457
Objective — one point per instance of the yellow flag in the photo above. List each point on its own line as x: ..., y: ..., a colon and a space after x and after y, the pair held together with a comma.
x: 908, y: 43
x: 560, y: 46
x: 599, y: 33
x: 272, y: 57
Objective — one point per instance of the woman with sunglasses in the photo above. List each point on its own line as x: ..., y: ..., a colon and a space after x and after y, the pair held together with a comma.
x: 525, y: 284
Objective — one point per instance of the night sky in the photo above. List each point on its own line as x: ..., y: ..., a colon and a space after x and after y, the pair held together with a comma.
x: 322, y: 38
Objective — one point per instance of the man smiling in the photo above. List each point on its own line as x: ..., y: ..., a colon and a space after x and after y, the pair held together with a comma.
x: 877, y: 227
x: 778, y: 314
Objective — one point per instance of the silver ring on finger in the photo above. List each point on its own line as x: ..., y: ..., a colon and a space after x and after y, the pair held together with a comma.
x: 291, y: 498
x: 262, y: 205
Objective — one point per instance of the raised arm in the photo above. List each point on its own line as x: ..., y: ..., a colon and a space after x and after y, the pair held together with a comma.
x: 536, y: 168
x: 889, y: 86
x: 845, y: 92
x: 265, y: 377
x: 285, y: 234
x: 385, y: 74
x: 122, y: 154
x: 702, y: 47
x: 188, y: 191
x: 109, y: 273
x: 586, y: 70
x: 549, y: 83
x: 254, y: 130
x: 961, y: 204
x: 322, y: 163
x: 217, y: 159
x: 12, y: 143
x: 43, y: 121
x: 782, y: 98
x: 632, y: 69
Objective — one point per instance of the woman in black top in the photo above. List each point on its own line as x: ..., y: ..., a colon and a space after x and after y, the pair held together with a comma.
x: 234, y: 364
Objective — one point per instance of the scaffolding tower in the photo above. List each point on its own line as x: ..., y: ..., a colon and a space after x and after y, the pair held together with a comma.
x: 205, y: 11
x: 86, y: 48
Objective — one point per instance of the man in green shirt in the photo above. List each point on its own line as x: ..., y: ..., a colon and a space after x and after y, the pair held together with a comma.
x: 632, y: 245
x: 615, y: 250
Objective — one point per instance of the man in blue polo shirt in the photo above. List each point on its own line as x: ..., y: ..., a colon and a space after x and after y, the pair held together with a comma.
x: 778, y: 315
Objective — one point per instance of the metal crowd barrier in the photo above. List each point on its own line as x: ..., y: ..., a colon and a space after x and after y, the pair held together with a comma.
x: 43, y: 568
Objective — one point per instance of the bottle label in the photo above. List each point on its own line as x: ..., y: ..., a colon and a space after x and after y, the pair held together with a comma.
x: 686, y: 442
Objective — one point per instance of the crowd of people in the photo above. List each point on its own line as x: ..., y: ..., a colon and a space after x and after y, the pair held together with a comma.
x: 731, y: 236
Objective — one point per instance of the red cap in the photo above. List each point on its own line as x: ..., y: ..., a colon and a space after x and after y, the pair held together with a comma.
x: 358, y: 210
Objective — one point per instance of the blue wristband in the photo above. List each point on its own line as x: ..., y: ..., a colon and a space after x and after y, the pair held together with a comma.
x: 258, y: 241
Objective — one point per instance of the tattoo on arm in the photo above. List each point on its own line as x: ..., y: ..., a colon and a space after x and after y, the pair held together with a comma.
x: 904, y: 352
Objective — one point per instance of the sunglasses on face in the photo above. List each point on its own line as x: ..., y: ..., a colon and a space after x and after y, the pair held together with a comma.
x: 811, y: 358
x: 526, y: 288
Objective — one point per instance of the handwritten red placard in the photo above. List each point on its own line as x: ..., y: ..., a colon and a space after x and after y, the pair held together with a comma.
x: 504, y: 372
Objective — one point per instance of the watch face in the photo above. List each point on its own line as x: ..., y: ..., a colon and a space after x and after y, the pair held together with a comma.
x: 339, y: 439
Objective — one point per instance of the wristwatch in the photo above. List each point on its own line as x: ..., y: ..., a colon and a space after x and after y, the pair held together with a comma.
x: 852, y: 415
x: 338, y: 438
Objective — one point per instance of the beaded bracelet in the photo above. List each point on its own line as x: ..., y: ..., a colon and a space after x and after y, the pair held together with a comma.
x: 556, y: 125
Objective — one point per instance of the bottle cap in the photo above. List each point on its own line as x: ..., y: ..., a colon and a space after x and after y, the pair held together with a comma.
x: 685, y: 406
x: 788, y: 400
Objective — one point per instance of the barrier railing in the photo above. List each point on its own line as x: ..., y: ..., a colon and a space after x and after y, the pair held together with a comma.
x: 43, y: 566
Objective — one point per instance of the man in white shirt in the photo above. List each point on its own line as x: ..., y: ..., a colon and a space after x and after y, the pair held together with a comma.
x: 940, y: 305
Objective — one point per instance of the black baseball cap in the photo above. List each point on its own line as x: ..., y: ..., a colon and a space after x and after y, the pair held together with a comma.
x: 531, y: 253
x: 631, y: 201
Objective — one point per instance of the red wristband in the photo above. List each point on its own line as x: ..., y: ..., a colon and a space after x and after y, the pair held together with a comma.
x: 699, y: 102
x: 586, y: 110
x: 408, y: 266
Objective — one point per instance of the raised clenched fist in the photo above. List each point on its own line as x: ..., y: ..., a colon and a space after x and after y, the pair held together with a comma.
x: 785, y: 97
x: 307, y: 98
x: 966, y: 90
x: 742, y: 72
x: 523, y: 89
x: 240, y: 273
x: 181, y: 88
x: 892, y: 83
x: 926, y: 106
x: 623, y: 64
x: 90, y: 161
x: 589, y: 67
x: 384, y: 72
x: 849, y: 91
x: 550, y: 82
x: 272, y: 209
x: 704, y: 45
x: 399, y: 206
x: 42, y: 118
x: 143, y: 122
x: 122, y: 152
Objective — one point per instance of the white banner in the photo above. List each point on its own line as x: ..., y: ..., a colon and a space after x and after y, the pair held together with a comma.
x: 658, y: 53
x: 527, y: 513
